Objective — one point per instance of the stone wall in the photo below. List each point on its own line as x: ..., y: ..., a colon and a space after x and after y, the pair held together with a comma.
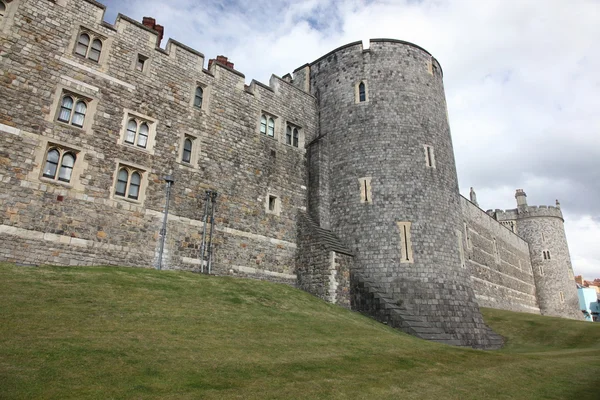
x: 323, y: 264
x: 498, y: 262
x: 84, y: 221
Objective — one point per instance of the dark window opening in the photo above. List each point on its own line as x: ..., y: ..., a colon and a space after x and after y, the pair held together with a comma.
x: 272, y: 203
x: 362, y: 94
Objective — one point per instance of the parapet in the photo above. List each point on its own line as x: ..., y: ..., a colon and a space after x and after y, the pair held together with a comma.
x: 528, y: 212
x: 175, y: 50
x: 302, y: 73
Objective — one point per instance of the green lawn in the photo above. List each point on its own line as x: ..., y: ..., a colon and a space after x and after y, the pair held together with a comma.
x: 104, y: 332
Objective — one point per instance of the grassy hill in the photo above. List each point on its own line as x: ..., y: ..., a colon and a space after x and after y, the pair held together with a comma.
x: 75, y: 333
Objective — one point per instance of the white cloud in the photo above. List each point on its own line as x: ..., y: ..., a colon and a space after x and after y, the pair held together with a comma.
x: 521, y: 81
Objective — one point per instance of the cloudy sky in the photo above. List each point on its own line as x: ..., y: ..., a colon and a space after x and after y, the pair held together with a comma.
x: 521, y: 77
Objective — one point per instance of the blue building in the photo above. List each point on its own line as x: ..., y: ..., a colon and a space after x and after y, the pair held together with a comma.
x: 588, y: 302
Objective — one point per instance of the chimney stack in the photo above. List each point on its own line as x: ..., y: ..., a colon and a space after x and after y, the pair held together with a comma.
x: 221, y: 60
x: 150, y: 22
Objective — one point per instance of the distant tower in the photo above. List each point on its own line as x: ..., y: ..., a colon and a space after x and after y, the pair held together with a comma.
x: 543, y: 228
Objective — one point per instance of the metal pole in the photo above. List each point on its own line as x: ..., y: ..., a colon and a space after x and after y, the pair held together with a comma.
x: 212, y: 224
x: 163, y: 232
x: 207, y: 199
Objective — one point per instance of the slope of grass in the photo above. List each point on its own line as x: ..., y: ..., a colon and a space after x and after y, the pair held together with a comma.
x: 98, y: 333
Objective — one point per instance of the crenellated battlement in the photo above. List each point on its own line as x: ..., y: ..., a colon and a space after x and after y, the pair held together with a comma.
x: 528, y: 212
x: 148, y: 35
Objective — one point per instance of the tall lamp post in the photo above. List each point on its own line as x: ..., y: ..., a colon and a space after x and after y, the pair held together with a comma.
x: 163, y: 232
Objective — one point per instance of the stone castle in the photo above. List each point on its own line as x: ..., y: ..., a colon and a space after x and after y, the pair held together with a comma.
x: 339, y: 179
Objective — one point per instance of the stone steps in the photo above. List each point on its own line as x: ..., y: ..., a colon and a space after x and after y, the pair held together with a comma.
x: 369, y: 298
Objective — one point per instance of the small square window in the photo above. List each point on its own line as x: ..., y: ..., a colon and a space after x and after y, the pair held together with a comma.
x: 273, y: 204
x: 140, y: 63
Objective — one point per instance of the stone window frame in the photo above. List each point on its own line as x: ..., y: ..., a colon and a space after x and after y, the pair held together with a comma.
x: 7, y: 19
x: 461, y: 249
x: 561, y: 296
x: 496, y: 250
x: 290, y: 128
x: 41, y: 151
x: 468, y: 237
x: 140, y: 119
x: 205, y: 97
x: 406, y: 248
x: 366, y: 190
x: 268, y: 116
x: 541, y: 269
x: 546, y: 255
x: 430, y: 161
x: 131, y: 168
x: 195, y: 151
x: 142, y: 59
x: 78, y: 166
x: 357, y: 92
x: 93, y: 38
x: 273, y: 204
x: 90, y: 102
x: 94, y: 35
x: 60, y: 165
x: 432, y: 68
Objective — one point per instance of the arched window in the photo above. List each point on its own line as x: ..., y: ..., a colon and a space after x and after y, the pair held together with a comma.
x: 79, y: 114
x: 362, y: 92
x: 122, y: 179
x: 88, y: 46
x: 134, y: 186
x: 72, y: 110
x: 143, y: 135
x: 263, y: 124
x: 198, y: 97
x: 59, y: 157
x: 129, y: 182
x: 52, y: 160
x: 187, y: 150
x: 271, y: 127
x: 66, y: 167
x: 2, y: 9
x: 65, y: 109
x: 288, y: 135
x: 295, y: 144
x: 95, y: 51
x: 131, y: 131
x: 83, y: 44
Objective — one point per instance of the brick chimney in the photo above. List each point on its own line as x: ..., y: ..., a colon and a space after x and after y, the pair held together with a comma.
x: 221, y: 60
x: 150, y: 22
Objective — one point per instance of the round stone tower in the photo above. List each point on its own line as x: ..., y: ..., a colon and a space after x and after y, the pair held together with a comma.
x: 391, y: 193
x: 543, y: 227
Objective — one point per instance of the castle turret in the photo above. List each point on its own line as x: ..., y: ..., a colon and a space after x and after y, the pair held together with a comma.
x: 390, y: 187
x: 543, y: 228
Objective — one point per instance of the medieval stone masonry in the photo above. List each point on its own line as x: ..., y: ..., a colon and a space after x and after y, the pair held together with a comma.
x: 339, y: 179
